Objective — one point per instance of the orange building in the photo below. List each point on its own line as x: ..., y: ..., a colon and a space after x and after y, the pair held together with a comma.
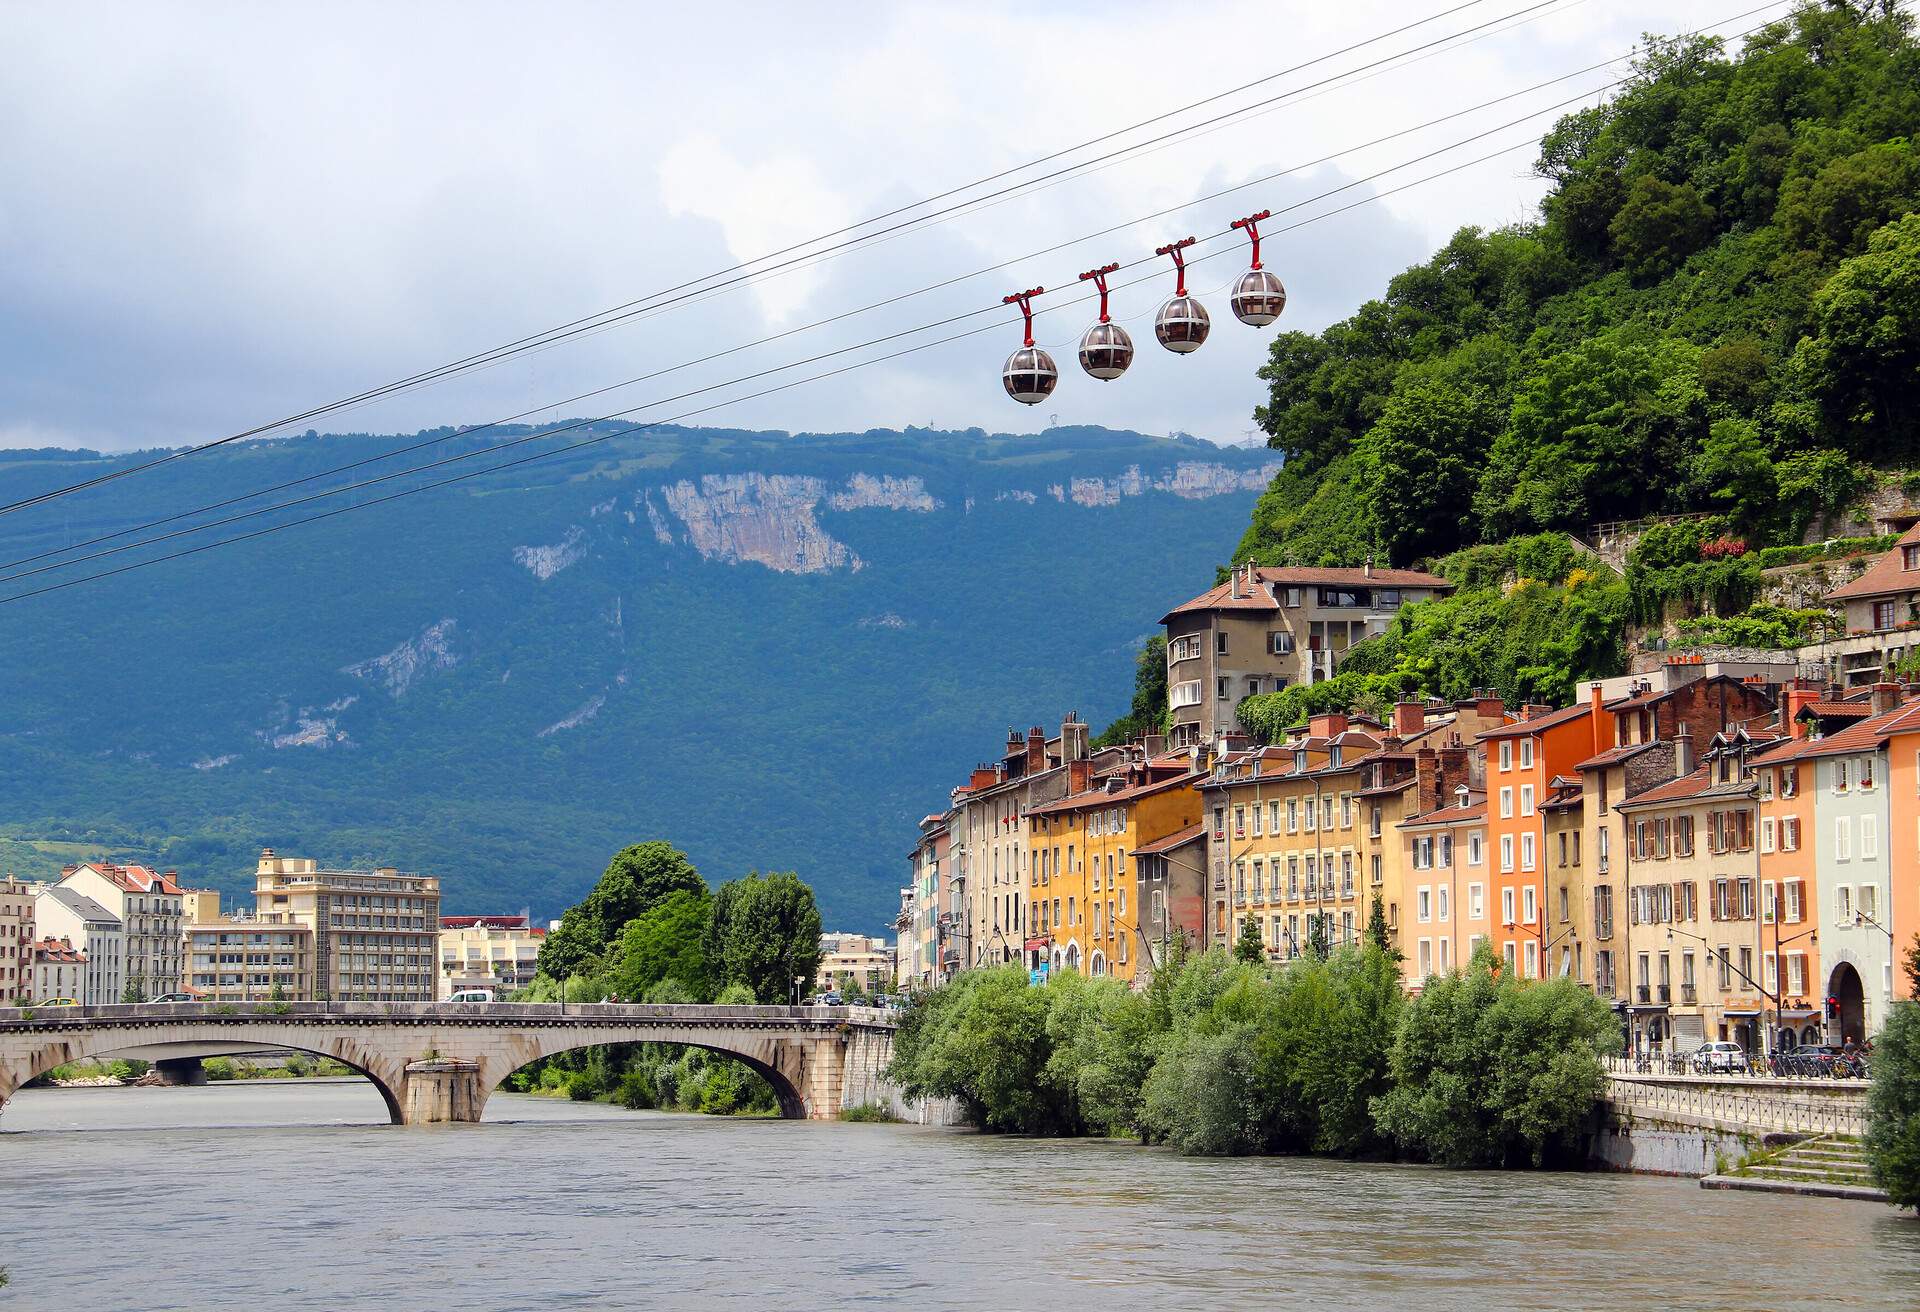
x: 1523, y: 759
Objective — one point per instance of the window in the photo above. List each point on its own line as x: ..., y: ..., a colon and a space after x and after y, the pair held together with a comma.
x: 1769, y: 902
x: 1282, y: 642
x: 1790, y: 833
x: 1533, y: 959
x: 1293, y: 596
x: 1373, y: 822
x: 1796, y: 972
x: 1528, y: 905
x: 1475, y: 854
x: 1507, y: 953
x: 1446, y: 850
x: 1442, y: 908
x: 1563, y: 902
x: 1258, y: 812
x: 1423, y: 904
x: 1839, y: 776
x: 1866, y: 772
x: 1883, y: 614
x: 1869, y: 836
x: 1506, y: 801
x: 1766, y: 834
x: 1869, y: 902
x: 1526, y: 799
x: 1506, y: 754
x: 1506, y: 906
x: 1526, y: 852
x: 1793, y: 892
x: 1426, y: 957
x: 1185, y: 694
x: 1790, y: 781
x: 1423, y: 853
x: 1221, y: 688
x: 1476, y: 901
x: 1842, y: 839
x: 1220, y: 642
x: 1843, y: 903
x: 1506, y: 851
x: 1293, y: 815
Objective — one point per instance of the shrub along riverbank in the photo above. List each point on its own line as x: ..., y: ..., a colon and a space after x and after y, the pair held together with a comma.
x: 1218, y: 1056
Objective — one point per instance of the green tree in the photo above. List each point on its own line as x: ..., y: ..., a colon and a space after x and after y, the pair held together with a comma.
x: 136, y: 989
x: 635, y: 880
x: 1834, y: 211
x: 1893, y: 1106
x: 764, y: 932
x: 1863, y: 357
x: 1148, y: 713
x: 666, y: 942
x: 1248, y: 947
x: 1104, y: 1037
x: 1377, y: 926
x: 1658, y: 226
x: 983, y: 1040
x: 1488, y: 1069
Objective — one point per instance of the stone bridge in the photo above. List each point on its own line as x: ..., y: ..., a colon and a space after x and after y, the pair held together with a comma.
x: 435, y: 1062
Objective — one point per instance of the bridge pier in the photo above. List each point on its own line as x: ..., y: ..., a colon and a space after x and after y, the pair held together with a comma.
x: 442, y: 1091
x: 180, y: 1071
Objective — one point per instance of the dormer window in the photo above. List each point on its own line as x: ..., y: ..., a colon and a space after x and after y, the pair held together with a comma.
x: 1910, y: 556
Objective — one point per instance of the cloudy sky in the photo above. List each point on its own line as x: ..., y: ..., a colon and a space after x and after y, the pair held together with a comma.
x: 215, y: 215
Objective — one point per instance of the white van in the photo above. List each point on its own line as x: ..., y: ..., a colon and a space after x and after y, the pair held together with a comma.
x: 472, y: 995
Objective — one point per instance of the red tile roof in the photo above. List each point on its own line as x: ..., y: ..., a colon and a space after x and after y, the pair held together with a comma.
x: 1859, y: 710
x: 1577, y: 711
x: 134, y: 878
x: 59, y: 951
x: 1865, y: 735
x: 1613, y: 756
x: 1674, y: 790
x: 1179, y: 838
x: 1094, y: 799
x: 1450, y: 815
x: 1886, y: 575
x: 1266, y: 577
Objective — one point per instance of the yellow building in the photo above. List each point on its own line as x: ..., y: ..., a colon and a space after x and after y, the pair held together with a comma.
x: 501, y: 953
x: 199, y: 906
x: 854, y: 963
x: 1305, y: 834
x: 1084, y: 917
x: 375, y: 932
x: 249, y: 961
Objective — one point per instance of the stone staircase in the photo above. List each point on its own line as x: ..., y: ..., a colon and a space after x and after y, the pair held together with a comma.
x: 1827, y: 1165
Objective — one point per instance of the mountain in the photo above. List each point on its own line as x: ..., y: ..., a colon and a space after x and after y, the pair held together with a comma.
x: 776, y: 651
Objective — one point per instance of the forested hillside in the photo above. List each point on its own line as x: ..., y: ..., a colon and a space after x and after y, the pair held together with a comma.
x: 775, y: 651
x: 1717, y: 312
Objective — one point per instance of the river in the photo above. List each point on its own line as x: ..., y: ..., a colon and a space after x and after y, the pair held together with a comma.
x: 293, y: 1195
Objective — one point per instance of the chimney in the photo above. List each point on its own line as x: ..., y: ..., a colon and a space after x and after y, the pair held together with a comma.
x: 1327, y: 724
x: 1800, y: 695
x: 1409, y: 718
x: 1233, y: 583
x: 1683, y: 752
x: 984, y: 776
x: 1015, y: 744
x: 1079, y: 775
x: 1073, y: 737
x: 1597, y: 718
x: 1036, y: 750
x: 1534, y: 710
x: 1488, y: 707
x: 1453, y: 766
x: 1366, y: 568
x: 1426, y: 779
x: 1883, y: 697
x: 1155, y: 744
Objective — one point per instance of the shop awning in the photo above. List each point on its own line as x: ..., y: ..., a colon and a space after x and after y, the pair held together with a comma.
x: 1646, y: 1006
x: 1798, y: 1013
x: 1036, y: 944
x: 1740, y: 1013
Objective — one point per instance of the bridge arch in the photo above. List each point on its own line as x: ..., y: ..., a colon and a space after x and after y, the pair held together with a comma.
x: 754, y: 1056
x: 65, y: 1048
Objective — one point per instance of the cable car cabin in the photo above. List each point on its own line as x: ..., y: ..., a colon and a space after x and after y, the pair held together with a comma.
x: 1182, y: 325
x: 1030, y: 375
x: 1258, y: 298
x: 1106, y: 351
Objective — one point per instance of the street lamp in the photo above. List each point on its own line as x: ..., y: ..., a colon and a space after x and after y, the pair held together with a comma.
x: 1539, y: 932
x: 798, y: 980
x: 1768, y: 994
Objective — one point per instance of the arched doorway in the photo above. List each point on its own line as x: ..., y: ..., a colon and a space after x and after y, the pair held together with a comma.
x: 1849, y: 1020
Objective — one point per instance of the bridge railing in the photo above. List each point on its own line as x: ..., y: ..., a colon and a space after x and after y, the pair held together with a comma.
x: 544, y: 1013
x: 1791, y: 1106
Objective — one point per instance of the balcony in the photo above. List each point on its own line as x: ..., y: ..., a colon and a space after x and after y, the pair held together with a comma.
x: 1642, y: 994
x: 1687, y: 995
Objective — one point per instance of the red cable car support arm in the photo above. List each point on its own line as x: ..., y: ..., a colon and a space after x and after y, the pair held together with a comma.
x: 1026, y: 310
x: 1179, y: 262
x: 1252, y: 224
x: 1099, y: 277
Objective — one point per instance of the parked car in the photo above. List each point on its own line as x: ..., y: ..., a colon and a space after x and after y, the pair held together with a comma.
x: 1719, y: 1056
x: 472, y: 995
x: 828, y: 1000
x: 175, y: 997
x: 56, y: 1002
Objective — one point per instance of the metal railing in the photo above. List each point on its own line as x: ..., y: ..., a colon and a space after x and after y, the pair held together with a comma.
x: 1744, y: 1102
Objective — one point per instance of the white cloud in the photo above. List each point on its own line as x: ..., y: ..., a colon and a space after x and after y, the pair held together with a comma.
x: 190, y: 244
